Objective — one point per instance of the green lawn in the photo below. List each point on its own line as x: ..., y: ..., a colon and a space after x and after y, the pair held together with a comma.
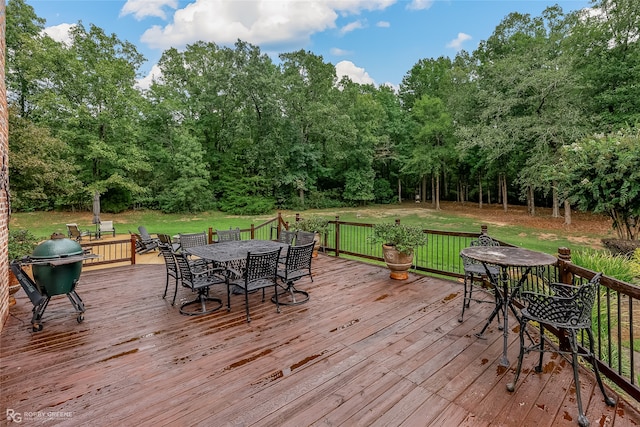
x: 43, y: 224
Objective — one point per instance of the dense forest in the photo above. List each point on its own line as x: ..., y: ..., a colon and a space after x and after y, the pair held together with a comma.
x: 546, y: 112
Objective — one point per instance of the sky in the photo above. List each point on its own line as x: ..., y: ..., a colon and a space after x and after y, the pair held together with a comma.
x: 371, y: 41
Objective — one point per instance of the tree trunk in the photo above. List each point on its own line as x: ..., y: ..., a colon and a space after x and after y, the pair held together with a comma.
x: 437, y: 193
x: 399, y: 191
x: 531, y: 201
x: 433, y: 192
x: 480, y: 193
x: 567, y: 213
x: 556, y: 203
x: 423, y: 196
x: 503, y: 188
x: 301, y: 195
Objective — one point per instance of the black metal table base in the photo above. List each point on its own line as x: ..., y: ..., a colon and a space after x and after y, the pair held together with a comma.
x: 291, y: 296
x: 201, y: 301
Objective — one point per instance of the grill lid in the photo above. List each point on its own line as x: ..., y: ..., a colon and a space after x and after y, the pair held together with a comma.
x: 57, y: 247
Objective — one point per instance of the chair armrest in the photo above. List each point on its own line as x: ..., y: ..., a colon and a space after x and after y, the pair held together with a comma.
x: 562, y: 289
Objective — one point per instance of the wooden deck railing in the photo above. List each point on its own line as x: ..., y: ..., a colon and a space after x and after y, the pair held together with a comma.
x: 615, y: 323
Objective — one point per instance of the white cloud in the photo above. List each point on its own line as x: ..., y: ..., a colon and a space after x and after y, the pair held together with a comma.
x: 259, y: 22
x: 60, y: 33
x: 339, y: 52
x: 383, y: 24
x: 154, y: 74
x: 457, y: 42
x: 141, y: 9
x: 419, y: 4
x: 352, y: 26
x: 356, y: 74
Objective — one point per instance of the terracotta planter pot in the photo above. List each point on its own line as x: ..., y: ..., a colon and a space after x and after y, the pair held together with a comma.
x: 399, y: 263
x: 316, y: 245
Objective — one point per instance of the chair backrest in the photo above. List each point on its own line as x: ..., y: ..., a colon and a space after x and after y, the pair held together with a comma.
x: 169, y: 258
x: 73, y: 230
x: 287, y: 237
x: 304, y: 237
x: 298, y: 263
x: 482, y: 240
x: 571, y: 306
x: 164, y: 238
x: 105, y: 226
x: 144, y: 233
x: 262, y: 269
x: 185, y: 270
x: 190, y: 240
x: 228, y: 235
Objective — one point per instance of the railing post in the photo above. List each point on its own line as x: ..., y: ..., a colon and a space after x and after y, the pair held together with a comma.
x: 210, y: 237
x: 397, y: 221
x: 483, y: 230
x: 253, y: 232
x: 297, y: 217
x: 564, y: 257
x: 279, y: 228
x: 337, y: 235
x: 133, y: 249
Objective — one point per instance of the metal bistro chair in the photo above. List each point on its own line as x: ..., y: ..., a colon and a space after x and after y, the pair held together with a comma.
x: 172, y: 269
x: 287, y: 237
x: 199, y: 280
x: 261, y: 272
x: 228, y: 235
x: 190, y: 240
x: 304, y: 237
x: 473, y: 268
x: 297, y: 265
x: 567, y: 308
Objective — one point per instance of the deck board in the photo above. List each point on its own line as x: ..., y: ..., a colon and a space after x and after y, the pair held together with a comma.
x: 365, y: 350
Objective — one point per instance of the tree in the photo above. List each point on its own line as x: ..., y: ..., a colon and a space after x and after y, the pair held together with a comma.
x: 42, y: 177
x: 23, y: 42
x: 527, y: 110
x: 602, y: 174
x: 432, y: 148
x: 605, y: 47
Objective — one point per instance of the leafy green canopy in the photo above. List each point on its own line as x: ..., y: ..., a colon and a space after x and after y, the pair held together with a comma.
x: 602, y: 174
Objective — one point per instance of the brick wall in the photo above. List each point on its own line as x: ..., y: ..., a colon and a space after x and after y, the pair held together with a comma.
x: 4, y: 177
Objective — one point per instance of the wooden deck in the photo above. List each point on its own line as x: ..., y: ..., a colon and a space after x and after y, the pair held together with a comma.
x: 365, y: 350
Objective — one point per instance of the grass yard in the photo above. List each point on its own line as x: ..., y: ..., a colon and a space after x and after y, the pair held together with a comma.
x: 540, y: 232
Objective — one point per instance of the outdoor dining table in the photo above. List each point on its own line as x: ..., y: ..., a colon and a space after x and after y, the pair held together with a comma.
x: 233, y: 254
x: 506, y: 257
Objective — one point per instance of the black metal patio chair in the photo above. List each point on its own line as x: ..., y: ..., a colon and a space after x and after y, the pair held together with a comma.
x: 304, y: 237
x: 172, y: 269
x: 261, y: 272
x: 566, y: 308
x: 199, y: 280
x: 228, y: 235
x: 296, y: 266
x: 473, y: 269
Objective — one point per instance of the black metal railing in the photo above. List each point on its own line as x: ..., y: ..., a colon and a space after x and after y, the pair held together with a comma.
x: 617, y: 338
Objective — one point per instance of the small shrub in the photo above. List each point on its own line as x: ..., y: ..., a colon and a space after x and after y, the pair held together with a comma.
x: 617, y: 266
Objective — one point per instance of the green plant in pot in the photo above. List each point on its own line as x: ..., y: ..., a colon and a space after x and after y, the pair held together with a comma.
x: 20, y: 244
x: 313, y: 224
x: 398, y: 244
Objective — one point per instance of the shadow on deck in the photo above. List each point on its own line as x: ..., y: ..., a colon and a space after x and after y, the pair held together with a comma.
x: 365, y: 350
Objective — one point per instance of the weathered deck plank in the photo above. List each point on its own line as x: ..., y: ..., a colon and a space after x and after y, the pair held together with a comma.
x: 365, y: 350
